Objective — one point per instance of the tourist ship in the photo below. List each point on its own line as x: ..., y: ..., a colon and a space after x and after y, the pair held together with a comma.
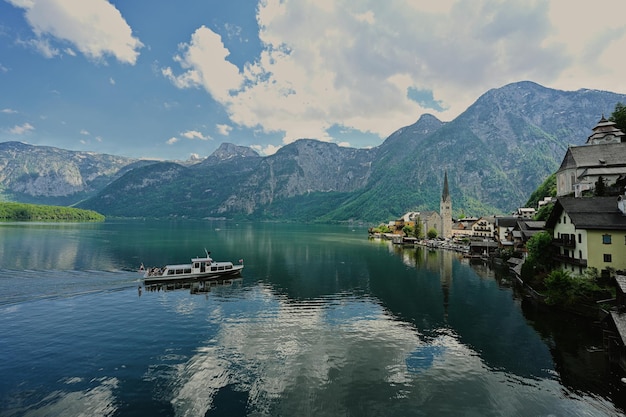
x: 199, y: 268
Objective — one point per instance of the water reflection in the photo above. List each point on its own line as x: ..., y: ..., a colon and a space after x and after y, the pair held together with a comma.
x: 321, y: 323
x: 53, y: 246
x: 97, y: 399
x: 530, y: 341
x: 345, y: 355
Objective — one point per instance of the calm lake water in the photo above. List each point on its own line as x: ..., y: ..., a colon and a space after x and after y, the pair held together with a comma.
x: 323, y: 322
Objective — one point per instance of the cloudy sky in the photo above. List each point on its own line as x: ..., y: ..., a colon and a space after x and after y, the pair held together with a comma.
x: 170, y: 79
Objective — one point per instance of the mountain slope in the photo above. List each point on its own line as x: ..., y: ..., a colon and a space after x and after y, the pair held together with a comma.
x: 495, y: 153
x: 47, y: 175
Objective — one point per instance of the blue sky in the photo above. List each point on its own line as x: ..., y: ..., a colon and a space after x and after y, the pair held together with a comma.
x: 168, y: 80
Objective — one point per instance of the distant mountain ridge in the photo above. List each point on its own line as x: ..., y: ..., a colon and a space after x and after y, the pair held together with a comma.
x: 48, y: 175
x: 495, y: 153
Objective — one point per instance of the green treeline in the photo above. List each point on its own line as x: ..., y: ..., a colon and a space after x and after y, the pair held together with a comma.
x: 35, y: 212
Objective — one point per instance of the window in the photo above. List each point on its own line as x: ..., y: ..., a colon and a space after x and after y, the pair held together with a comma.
x: 580, y: 238
x: 607, y: 257
x: 564, y: 219
x: 606, y: 239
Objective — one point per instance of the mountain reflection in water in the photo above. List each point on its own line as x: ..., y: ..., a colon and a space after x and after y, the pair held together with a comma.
x: 322, y: 322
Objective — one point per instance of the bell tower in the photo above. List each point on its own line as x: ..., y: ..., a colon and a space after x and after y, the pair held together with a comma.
x: 445, y: 209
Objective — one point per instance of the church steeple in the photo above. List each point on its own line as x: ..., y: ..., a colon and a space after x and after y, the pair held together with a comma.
x: 445, y: 209
x: 446, y: 193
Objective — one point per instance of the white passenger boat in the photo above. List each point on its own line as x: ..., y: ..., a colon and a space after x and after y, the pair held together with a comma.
x: 199, y: 268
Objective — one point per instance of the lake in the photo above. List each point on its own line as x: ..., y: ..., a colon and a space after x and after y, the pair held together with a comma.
x: 323, y: 322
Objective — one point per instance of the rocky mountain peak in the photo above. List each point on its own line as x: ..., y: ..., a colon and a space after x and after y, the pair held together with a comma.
x: 228, y: 151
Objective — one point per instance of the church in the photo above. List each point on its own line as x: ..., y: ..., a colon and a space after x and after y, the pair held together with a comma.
x: 440, y: 221
x: 445, y: 209
x: 603, y: 155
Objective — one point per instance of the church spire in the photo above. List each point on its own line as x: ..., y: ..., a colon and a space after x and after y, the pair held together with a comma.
x: 445, y: 209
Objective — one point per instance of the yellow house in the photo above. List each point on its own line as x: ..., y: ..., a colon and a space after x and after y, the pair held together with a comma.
x: 589, y: 232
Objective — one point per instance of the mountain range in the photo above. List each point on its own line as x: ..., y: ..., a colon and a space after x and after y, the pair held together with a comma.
x: 495, y: 154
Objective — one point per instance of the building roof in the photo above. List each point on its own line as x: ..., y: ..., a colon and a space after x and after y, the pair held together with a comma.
x: 602, y: 155
x: 594, y: 213
x: 621, y: 282
x: 531, y: 224
x: 620, y: 323
x: 484, y: 244
x: 445, y: 195
x: 508, y: 221
x: 604, y: 128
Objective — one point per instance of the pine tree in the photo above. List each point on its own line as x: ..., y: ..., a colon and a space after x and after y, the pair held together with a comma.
x: 619, y: 117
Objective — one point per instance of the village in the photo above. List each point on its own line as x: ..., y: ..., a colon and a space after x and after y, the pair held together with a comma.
x: 584, y: 234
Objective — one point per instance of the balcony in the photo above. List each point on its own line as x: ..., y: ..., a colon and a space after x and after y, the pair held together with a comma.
x: 565, y: 241
x: 571, y: 261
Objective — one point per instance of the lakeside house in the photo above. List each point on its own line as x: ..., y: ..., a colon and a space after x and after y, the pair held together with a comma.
x: 589, y: 232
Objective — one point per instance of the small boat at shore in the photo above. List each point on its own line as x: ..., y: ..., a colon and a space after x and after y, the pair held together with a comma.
x: 199, y: 268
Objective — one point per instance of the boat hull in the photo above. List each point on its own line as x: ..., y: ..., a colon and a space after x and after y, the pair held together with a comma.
x: 235, y: 271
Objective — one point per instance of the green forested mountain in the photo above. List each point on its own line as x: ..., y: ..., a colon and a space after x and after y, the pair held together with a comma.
x: 496, y: 154
x: 35, y: 212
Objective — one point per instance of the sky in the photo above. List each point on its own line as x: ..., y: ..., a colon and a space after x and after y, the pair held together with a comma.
x: 172, y: 80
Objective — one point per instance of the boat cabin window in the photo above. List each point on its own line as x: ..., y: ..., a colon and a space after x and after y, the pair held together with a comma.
x: 196, y: 265
x: 188, y: 271
x: 213, y: 268
x: 229, y: 267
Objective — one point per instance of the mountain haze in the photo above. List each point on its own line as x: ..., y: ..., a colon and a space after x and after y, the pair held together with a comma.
x: 495, y: 153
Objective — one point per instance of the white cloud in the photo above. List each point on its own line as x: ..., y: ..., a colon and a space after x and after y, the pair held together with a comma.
x: 43, y: 47
x: 22, y: 129
x: 205, y: 65
x: 8, y: 111
x: 194, y: 134
x: 224, y: 130
x: 112, y: 81
x: 172, y: 140
x: 95, y: 27
x: 266, y: 149
x: 352, y: 64
x: 84, y: 132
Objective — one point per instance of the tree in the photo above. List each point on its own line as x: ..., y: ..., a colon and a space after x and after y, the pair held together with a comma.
x: 432, y: 233
x: 417, y: 230
x: 544, y: 212
x: 539, y: 249
x: 619, y: 116
x: 559, y: 288
x: 600, y: 187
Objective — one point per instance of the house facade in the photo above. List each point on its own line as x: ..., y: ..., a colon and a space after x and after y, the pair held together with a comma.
x: 589, y: 233
x: 483, y: 228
